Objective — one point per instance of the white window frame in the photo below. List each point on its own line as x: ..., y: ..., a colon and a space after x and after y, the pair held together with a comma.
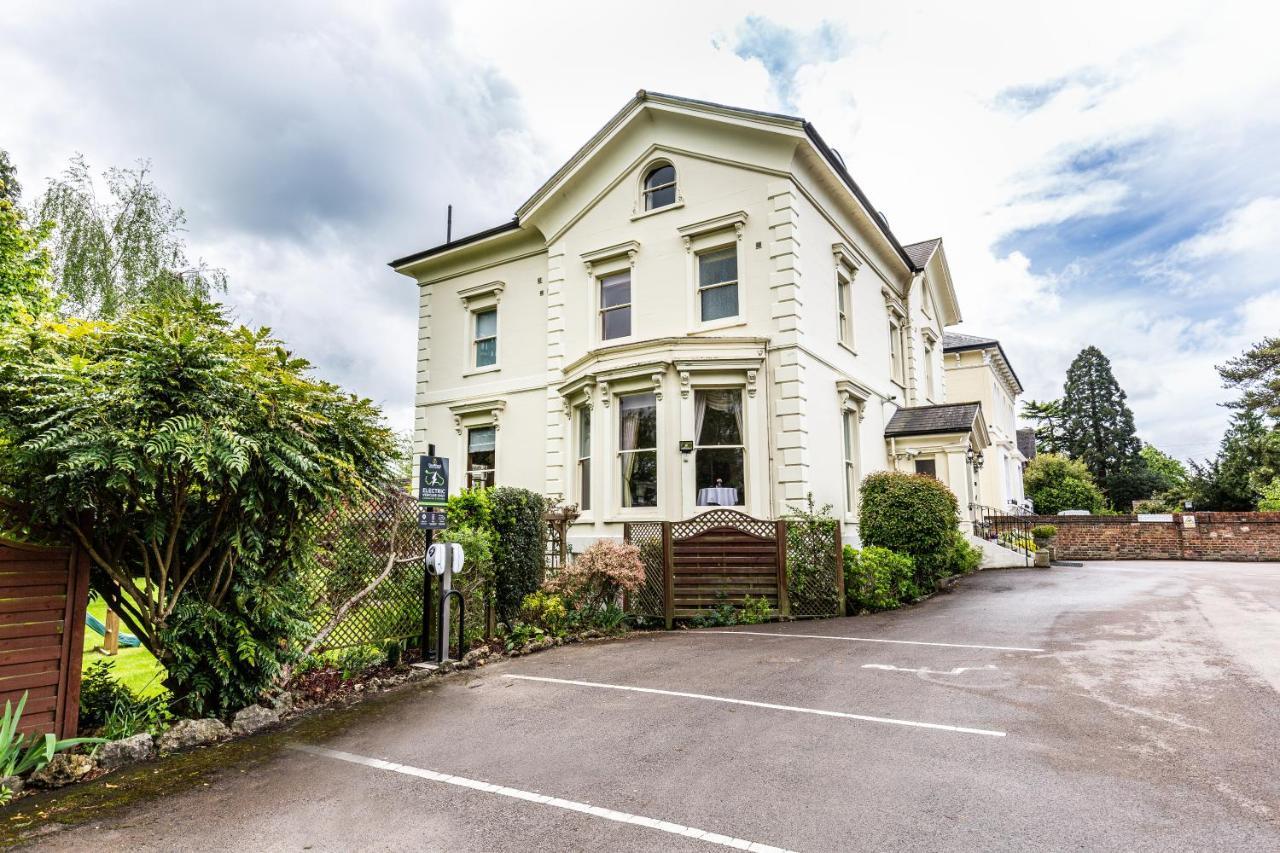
x: 619, y: 481
x: 476, y: 340
x: 467, y: 469
x: 478, y: 299
x: 853, y: 408
x: 604, y: 311
x: 745, y: 443
x: 582, y: 485
x: 927, y: 346
x: 646, y: 191
x: 601, y: 264
x: 702, y: 289
x: 847, y: 264
x: 897, y: 356
x: 709, y: 235
x: 477, y: 415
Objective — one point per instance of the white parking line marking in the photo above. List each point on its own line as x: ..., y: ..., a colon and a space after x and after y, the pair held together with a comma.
x: 769, y: 705
x: 922, y: 671
x: 541, y: 799
x: 862, y: 640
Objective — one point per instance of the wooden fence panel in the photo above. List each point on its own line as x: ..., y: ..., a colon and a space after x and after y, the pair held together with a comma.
x: 43, y: 595
x: 721, y: 557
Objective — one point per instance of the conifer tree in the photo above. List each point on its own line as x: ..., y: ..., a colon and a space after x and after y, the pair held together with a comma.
x: 1098, y: 430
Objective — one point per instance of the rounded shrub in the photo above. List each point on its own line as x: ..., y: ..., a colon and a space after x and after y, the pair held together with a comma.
x: 910, y: 514
x: 1055, y: 483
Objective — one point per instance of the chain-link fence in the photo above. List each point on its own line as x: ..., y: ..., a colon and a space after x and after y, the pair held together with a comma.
x: 362, y: 543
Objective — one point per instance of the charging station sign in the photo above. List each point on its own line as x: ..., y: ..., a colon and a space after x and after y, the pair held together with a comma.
x: 433, y: 480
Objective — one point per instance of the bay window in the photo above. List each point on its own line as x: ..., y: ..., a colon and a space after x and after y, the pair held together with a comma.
x: 719, y: 450
x: 638, y: 449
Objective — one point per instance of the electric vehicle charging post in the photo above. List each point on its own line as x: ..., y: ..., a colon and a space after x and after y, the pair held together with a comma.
x: 433, y: 495
x: 444, y: 560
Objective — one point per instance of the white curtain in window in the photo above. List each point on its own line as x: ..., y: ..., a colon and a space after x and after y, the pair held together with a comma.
x: 729, y: 401
x: 630, y: 430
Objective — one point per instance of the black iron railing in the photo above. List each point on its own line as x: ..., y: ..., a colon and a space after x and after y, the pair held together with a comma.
x: 1008, y: 527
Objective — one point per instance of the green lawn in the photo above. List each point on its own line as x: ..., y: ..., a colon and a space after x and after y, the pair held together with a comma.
x: 135, y: 667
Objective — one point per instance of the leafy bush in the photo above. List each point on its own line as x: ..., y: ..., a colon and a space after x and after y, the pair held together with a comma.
x: 187, y: 455
x: 470, y: 508
x: 520, y: 634
x: 600, y: 575
x: 811, y: 558
x: 518, y: 547
x: 476, y: 582
x: 755, y: 610
x: 1055, y: 483
x: 351, y: 662
x: 877, y: 579
x: 545, y: 610
x: 1044, y: 531
x: 1270, y: 500
x: 914, y: 515
x: 962, y: 558
x: 109, y: 708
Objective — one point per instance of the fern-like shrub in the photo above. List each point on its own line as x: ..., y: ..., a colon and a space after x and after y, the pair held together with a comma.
x: 188, y: 457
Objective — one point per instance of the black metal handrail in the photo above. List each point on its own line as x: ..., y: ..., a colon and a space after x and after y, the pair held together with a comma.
x: 1009, y: 528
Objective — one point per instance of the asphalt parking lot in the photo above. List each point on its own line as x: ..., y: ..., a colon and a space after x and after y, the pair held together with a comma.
x: 1115, y: 706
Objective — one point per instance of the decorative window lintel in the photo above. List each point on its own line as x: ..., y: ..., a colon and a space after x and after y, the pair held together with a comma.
x: 490, y: 292
x: 480, y: 413
x: 609, y: 253
x: 735, y: 221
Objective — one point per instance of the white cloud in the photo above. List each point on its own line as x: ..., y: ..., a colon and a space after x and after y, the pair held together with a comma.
x: 312, y: 142
x: 1256, y: 226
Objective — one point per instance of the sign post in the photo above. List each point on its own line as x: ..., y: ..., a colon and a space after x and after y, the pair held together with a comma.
x: 433, y: 494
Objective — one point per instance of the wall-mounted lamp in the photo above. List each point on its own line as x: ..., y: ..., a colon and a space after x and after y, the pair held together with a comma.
x: 686, y: 446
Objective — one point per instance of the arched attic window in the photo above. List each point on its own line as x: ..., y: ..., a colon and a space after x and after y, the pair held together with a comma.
x: 660, y: 186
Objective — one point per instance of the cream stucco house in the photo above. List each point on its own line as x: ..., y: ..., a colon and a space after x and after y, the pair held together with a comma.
x: 700, y: 308
x: 978, y: 370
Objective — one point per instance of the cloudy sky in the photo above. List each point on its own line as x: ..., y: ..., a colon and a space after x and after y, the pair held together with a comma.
x: 1102, y: 173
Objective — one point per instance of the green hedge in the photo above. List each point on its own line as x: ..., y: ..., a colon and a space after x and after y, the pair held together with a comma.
x: 914, y: 515
x: 877, y: 579
x: 518, y: 548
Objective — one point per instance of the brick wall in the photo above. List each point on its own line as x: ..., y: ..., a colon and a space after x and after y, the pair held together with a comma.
x: 1242, y: 536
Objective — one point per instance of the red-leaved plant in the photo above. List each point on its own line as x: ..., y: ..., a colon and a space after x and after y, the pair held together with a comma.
x: 600, y: 575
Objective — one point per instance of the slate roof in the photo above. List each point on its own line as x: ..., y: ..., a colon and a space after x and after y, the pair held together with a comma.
x: 919, y: 253
x: 828, y: 154
x: 956, y: 342
x: 929, y: 420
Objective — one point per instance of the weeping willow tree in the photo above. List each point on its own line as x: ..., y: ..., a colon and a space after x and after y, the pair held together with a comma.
x: 118, y: 249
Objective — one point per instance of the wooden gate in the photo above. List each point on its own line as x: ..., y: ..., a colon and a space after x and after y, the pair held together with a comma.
x: 43, y: 595
x: 722, y: 556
